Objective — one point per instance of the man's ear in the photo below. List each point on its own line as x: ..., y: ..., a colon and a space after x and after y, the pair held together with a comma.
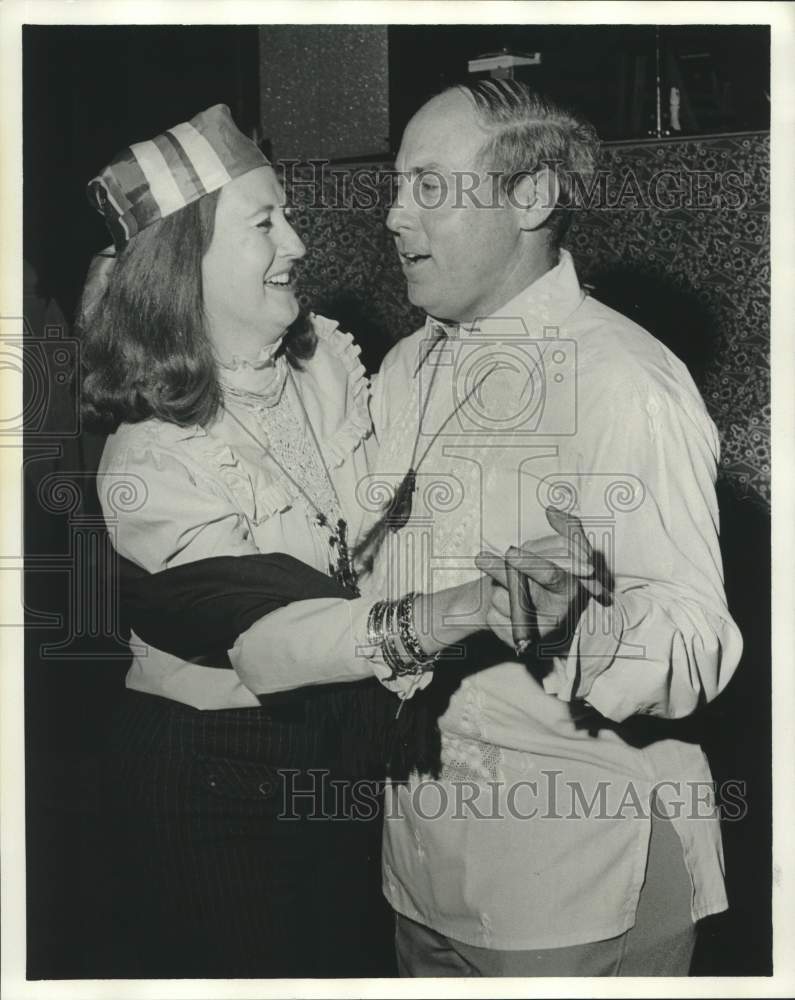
x: 535, y: 197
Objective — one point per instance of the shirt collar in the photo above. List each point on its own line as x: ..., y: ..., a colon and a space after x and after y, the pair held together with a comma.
x: 545, y: 303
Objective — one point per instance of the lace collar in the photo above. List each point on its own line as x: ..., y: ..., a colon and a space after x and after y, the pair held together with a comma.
x: 259, y: 380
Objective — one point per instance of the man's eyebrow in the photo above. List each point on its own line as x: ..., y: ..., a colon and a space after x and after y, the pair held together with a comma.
x: 424, y: 168
x: 427, y: 168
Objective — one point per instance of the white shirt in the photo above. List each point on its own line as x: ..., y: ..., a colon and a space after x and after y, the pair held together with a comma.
x: 615, y: 430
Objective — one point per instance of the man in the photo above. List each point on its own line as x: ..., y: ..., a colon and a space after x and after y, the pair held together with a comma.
x: 569, y: 834
x: 526, y: 414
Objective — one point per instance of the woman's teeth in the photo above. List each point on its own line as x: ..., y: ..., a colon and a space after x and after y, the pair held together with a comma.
x: 279, y: 280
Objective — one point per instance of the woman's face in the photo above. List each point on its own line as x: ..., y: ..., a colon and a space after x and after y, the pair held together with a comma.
x: 246, y: 272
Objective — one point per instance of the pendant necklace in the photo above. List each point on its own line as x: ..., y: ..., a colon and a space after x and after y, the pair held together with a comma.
x: 398, y: 509
x: 344, y: 572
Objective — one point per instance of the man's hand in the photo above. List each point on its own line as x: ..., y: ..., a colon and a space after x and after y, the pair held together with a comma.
x: 560, y: 573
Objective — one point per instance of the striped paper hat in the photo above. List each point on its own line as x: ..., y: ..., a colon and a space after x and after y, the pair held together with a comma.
x: 150, y: 180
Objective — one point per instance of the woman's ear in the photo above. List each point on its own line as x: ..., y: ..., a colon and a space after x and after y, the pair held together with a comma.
x: 535, y: 197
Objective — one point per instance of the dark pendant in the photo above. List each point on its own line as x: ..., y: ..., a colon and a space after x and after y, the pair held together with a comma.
x: 345, y: 573
x: 399, y: 510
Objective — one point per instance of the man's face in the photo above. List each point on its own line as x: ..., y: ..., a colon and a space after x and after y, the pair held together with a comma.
x: 458, y: 238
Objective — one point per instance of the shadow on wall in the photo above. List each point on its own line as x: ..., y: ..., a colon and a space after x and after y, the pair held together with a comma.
x: 736, y: 736
x: 735, y: 730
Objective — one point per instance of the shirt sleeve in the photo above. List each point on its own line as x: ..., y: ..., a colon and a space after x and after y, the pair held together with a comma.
x: 318, y: 641
x: 646, y: 497
x: 160, y: 512
x: 172, y: 515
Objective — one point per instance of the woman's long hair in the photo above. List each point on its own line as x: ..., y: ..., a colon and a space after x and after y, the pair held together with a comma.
x: 145, y: 348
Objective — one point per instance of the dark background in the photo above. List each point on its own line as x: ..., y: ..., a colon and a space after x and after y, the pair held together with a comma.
x: 608, y: 72
x: 90, y: 91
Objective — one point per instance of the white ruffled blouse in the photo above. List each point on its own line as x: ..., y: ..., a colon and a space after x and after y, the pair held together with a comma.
x: 171, y: 495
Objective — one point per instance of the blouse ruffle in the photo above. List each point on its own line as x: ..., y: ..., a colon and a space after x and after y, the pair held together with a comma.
x: 259, y: 493
x: 356, y: 426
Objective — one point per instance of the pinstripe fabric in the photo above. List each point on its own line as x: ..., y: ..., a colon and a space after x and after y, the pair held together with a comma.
x: 219, y: 884
x: 150, y: 180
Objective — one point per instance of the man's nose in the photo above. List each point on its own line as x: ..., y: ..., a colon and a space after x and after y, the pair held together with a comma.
x: 401, y: 212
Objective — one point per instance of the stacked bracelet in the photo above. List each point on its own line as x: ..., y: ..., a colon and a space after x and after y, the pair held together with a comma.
x: 407, y: 629
x: 391, y: 628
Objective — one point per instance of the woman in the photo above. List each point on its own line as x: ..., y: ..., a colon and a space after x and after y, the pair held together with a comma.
x: 236, y: 431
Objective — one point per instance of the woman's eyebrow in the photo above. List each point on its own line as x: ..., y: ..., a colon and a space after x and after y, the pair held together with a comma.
x: 260, y: 210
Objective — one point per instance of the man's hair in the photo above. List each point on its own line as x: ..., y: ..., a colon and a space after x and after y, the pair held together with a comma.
x: 145, y: 347
x: 528, y: 132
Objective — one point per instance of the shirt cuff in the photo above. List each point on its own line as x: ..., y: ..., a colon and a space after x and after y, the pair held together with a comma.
x: 593, y: 650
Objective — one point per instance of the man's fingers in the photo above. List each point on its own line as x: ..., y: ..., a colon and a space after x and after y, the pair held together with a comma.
x: 500, y: 625
x: 570, y: 527
x: 549, y: 549
x: 501, y: 601
x: 548, y: 561
x: 493, y: 565
x: 556, y: 571
x: 544, y: 572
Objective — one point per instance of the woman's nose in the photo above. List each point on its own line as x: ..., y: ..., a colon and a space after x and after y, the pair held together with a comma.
x: 293, y: 246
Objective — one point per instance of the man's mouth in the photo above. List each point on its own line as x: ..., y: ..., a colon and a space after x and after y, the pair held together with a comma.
x: 412, y: 259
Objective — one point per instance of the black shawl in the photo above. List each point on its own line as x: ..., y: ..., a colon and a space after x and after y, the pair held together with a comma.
x: 196, y: 611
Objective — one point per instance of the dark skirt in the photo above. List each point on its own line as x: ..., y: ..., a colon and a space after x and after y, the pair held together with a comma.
x: 243, y: 852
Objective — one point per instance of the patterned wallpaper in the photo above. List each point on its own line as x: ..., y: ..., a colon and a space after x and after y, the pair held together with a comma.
x: 694, y: 269
x: 324, y: 89
x: 676, y: 236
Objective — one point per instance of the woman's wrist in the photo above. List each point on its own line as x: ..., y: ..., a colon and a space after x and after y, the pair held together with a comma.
x: 449, y: 616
